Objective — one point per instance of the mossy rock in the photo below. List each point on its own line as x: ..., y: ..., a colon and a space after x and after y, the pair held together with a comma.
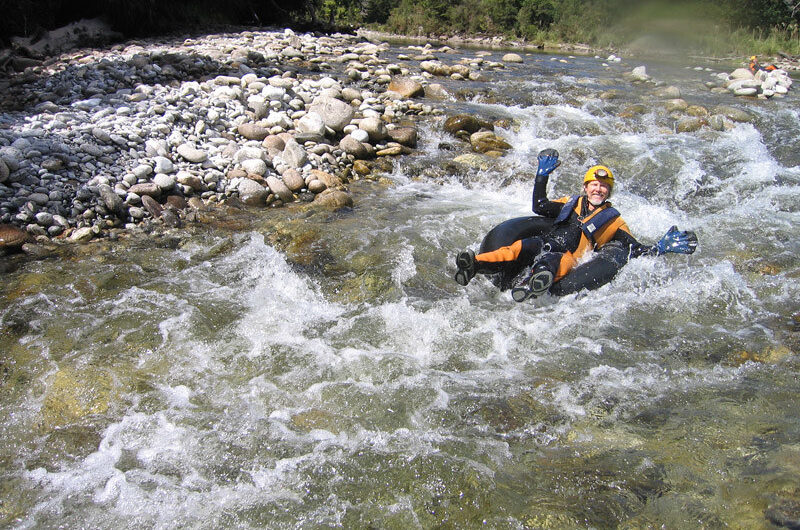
x: 365, y: 288
x: 317, y: 419
x: 633, y: 111
x: 74, y: 394
x: 769, y: 355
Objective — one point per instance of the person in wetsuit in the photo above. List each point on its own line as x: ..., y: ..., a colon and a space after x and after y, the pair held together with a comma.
x: 754, y: 66
x: 582, y: 222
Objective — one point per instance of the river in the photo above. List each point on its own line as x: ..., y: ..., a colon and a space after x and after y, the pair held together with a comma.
x: 290, y: 370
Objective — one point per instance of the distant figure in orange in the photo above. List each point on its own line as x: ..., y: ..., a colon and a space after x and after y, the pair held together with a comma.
x: 754, y: 66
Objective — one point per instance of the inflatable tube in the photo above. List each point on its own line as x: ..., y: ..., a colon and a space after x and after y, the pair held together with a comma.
x: 590, y: 275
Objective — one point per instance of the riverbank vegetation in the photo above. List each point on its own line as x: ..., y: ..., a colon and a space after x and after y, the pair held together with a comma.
x: 721, y: 27
x: 715, y: 27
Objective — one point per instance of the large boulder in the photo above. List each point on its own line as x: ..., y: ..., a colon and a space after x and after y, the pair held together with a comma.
x: 335, y: 113
x: 405, y: 87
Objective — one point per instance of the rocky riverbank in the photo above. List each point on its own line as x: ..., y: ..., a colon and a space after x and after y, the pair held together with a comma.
x: 97, y: 141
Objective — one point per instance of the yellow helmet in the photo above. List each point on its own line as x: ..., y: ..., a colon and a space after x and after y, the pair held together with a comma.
x: 601, y: 173
x: 752, y: 57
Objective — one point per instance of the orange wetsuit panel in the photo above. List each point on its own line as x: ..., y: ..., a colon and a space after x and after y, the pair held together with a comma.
x: 509, y: 253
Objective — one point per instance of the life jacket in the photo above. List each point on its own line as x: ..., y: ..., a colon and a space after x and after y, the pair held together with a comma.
x: 597, y: 229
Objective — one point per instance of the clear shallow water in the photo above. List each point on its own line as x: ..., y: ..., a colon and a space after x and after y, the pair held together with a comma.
x: 208, y: 379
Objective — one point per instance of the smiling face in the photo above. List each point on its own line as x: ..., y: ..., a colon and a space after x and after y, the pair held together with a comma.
x: 597, y: 192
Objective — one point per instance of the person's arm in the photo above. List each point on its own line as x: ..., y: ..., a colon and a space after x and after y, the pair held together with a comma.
x: 673, y: 241
x: 548, y: 161
x: 636, y: 248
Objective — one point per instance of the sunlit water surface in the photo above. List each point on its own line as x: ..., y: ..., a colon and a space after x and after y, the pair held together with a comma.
x: 220, y: 377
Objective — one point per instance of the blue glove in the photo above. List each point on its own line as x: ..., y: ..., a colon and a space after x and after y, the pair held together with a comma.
x: 548, y: 161
x: 677, y: 242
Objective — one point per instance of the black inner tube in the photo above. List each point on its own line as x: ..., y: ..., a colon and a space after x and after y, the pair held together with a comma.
x: 590, y: 275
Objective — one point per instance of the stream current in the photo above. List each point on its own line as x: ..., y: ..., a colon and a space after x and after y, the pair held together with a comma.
x: 239, y: 375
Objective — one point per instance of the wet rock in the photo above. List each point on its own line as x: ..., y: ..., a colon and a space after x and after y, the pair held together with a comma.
x: 612, y: 94
x: 639, y: 74
x: 716, y: 122
x: 330, y: 181
x: 632, y: 111
x: 473, y: 160
x: 404, y: 135
x: 463, y: 122
x: 361, y: 168
x: 393, y: 150
x: 176, y: 202
x: 73, y: 395
x: 334, y: 199
x: 689, y: 124
x: 785, y: 513
x: 317, y: 419
x: 674, y: 105
x: 734, y: 114
x: 512, y: 58
x: 11, y: 237
x: 697, y: 111
x: 405, y: 87
x: 487, y: 141
x: 669, y: 92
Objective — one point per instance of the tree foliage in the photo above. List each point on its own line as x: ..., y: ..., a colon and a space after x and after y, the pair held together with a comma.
x: 591, y: 21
